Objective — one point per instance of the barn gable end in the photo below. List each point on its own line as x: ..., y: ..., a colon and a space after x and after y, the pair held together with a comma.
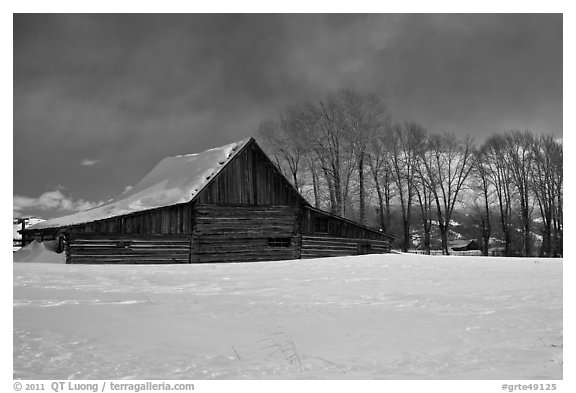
x: 250, y: 178
x: 248, y: 212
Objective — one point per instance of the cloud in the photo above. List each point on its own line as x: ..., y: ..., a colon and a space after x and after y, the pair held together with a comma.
x: 89, y: 162
x: 124, y: 91
x: 51, y: 201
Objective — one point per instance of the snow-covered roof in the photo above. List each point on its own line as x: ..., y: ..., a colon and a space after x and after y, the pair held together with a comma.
x: 174, y: 180
x: 460, y: 243
x: 30, y: 221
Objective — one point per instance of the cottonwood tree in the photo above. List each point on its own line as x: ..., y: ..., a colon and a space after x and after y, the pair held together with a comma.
x: 499, y: 173
x: 380, y: 163
x: 309, y: 121
x: 332, y: 148
x: 447, y: 164
x: 519, y: 157
x: 546, y: 169
x: 405, y: 141
x: 482, y: 195
x: 287, y: 150
x: 422, y: 188
x: 289, y: 141
x: 557, y: 182
x: 366, y: 117
x: 425, y: 199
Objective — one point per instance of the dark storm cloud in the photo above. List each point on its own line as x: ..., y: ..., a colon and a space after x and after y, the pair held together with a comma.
x: 131, y: 89
x: 477, y: 70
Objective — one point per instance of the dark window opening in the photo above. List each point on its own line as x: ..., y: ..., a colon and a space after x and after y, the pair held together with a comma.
x: 321, y: 225
x: 279, y: 242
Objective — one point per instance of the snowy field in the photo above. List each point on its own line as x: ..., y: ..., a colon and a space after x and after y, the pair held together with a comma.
x: 367, y: 317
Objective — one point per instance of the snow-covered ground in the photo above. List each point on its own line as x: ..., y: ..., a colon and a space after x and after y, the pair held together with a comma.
x: 367, y: 317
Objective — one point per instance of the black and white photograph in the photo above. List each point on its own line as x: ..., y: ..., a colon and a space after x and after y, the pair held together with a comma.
x: 287, y: 196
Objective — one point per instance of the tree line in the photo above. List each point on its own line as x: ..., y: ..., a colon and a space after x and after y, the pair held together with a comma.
x: 345, y: 154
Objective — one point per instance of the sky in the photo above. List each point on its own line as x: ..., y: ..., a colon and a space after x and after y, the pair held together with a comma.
x: 100, y: 99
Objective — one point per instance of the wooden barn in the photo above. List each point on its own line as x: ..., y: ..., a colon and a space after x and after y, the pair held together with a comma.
x: 464, y: 245
x: 228, y: 204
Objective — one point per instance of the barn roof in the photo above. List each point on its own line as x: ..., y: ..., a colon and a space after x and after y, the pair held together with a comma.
x: 462, y: 243
x: 174, y: 180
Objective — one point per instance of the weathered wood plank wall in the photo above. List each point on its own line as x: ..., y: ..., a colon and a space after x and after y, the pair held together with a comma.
x: 138, y: 249
x: 39, y: 235
x: 317, y: 247
x: 250, y: 179
x: 245, y: 233
x: 176, y: 219
x: 336, y: 227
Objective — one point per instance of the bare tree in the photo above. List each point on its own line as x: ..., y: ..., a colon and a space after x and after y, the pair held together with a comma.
x: 499, y: 173
x: 447, y: 166
x: 342, y: 149
x: 519, y: 157
x: 547, y: 166
x: 331, y: 145
x: 425, y: 198
x: 557, y: 182
x: 483, y: 195
x: 290, y: 142
x: 366, y: 116
x: 404, y: 146
x: 380, y: 163
x: 283, y: 142
x: 310, y: 124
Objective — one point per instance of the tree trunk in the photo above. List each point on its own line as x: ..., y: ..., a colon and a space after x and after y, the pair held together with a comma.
x: 444, y: 237
x: 526, y: 228
x: 546, y: 249
x: 316, y: 192
x: 427, y: 244
x: 337, y: 185
x: 485, y: 237
x: 387, y: 216
x: 361, y: 183
x: 331, y: 192
x: 381, y: 219
x: 487, y: 225
x: 406, y: 241
x: 295, y: 179
x: 507, y: 242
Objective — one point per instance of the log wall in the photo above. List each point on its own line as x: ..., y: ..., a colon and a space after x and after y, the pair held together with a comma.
x: 176, y: 219
x: 336, y: 226
x: 138, y: 249
x: 317, y: 247
x: 245, y: 233
x: 39, y: 235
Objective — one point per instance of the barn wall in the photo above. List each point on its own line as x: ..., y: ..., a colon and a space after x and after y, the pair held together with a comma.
x: 245, y: 233
x: 175, y: 219
x: 325, y: 235
x: 39, y: 235
x: 250, y: 179
x: 90, y: 248
x: 333, y: 226
x: 317, y: 247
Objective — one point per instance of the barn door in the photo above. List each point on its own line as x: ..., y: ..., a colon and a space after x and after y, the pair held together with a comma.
x: 364, y: 248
